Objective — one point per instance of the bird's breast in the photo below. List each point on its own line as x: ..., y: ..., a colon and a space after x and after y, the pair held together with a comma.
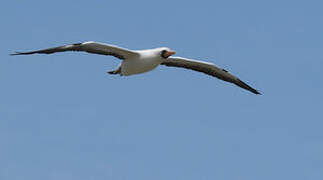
x: 139, y: 65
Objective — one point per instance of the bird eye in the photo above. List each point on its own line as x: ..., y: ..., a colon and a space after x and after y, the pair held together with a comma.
x: 163, y: 52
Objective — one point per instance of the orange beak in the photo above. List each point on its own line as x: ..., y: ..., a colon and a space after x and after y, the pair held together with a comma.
x: 169, y: 53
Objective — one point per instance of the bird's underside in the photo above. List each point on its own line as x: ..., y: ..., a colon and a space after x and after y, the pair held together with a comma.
x: 135, y: 62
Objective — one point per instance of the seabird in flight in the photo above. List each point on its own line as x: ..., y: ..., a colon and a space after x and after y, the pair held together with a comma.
x: 140, y: 61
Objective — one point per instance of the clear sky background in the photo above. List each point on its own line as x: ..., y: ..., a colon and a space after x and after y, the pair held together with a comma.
x: 63, y: 118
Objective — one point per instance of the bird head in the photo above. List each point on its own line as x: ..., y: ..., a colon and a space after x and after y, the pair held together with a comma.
x: 166, y: 52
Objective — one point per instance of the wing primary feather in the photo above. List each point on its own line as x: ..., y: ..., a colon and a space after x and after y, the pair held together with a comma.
x: 247, y: 87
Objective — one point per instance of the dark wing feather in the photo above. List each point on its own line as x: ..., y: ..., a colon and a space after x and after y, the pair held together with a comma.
x: 90, y: 47
x: 207, y: 68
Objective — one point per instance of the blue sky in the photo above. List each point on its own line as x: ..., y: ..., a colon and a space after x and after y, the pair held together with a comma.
x: 62, y: 117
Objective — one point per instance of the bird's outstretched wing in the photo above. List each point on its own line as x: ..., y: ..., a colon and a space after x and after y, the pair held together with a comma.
x: 207, y: 68
x: 90, y: 47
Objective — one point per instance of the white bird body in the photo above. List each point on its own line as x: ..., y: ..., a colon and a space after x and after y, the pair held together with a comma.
x: 146, y: 61
x: 140, y: 61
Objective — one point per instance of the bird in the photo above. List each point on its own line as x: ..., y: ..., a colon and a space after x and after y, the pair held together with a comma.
x: 140, y: 61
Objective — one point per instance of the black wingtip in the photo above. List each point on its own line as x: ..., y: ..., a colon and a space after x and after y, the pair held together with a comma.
x: 22, y: 53
x: 16, y: 53
x: 19, y: 53
x: 257, y: 92
x: 247, y: 87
